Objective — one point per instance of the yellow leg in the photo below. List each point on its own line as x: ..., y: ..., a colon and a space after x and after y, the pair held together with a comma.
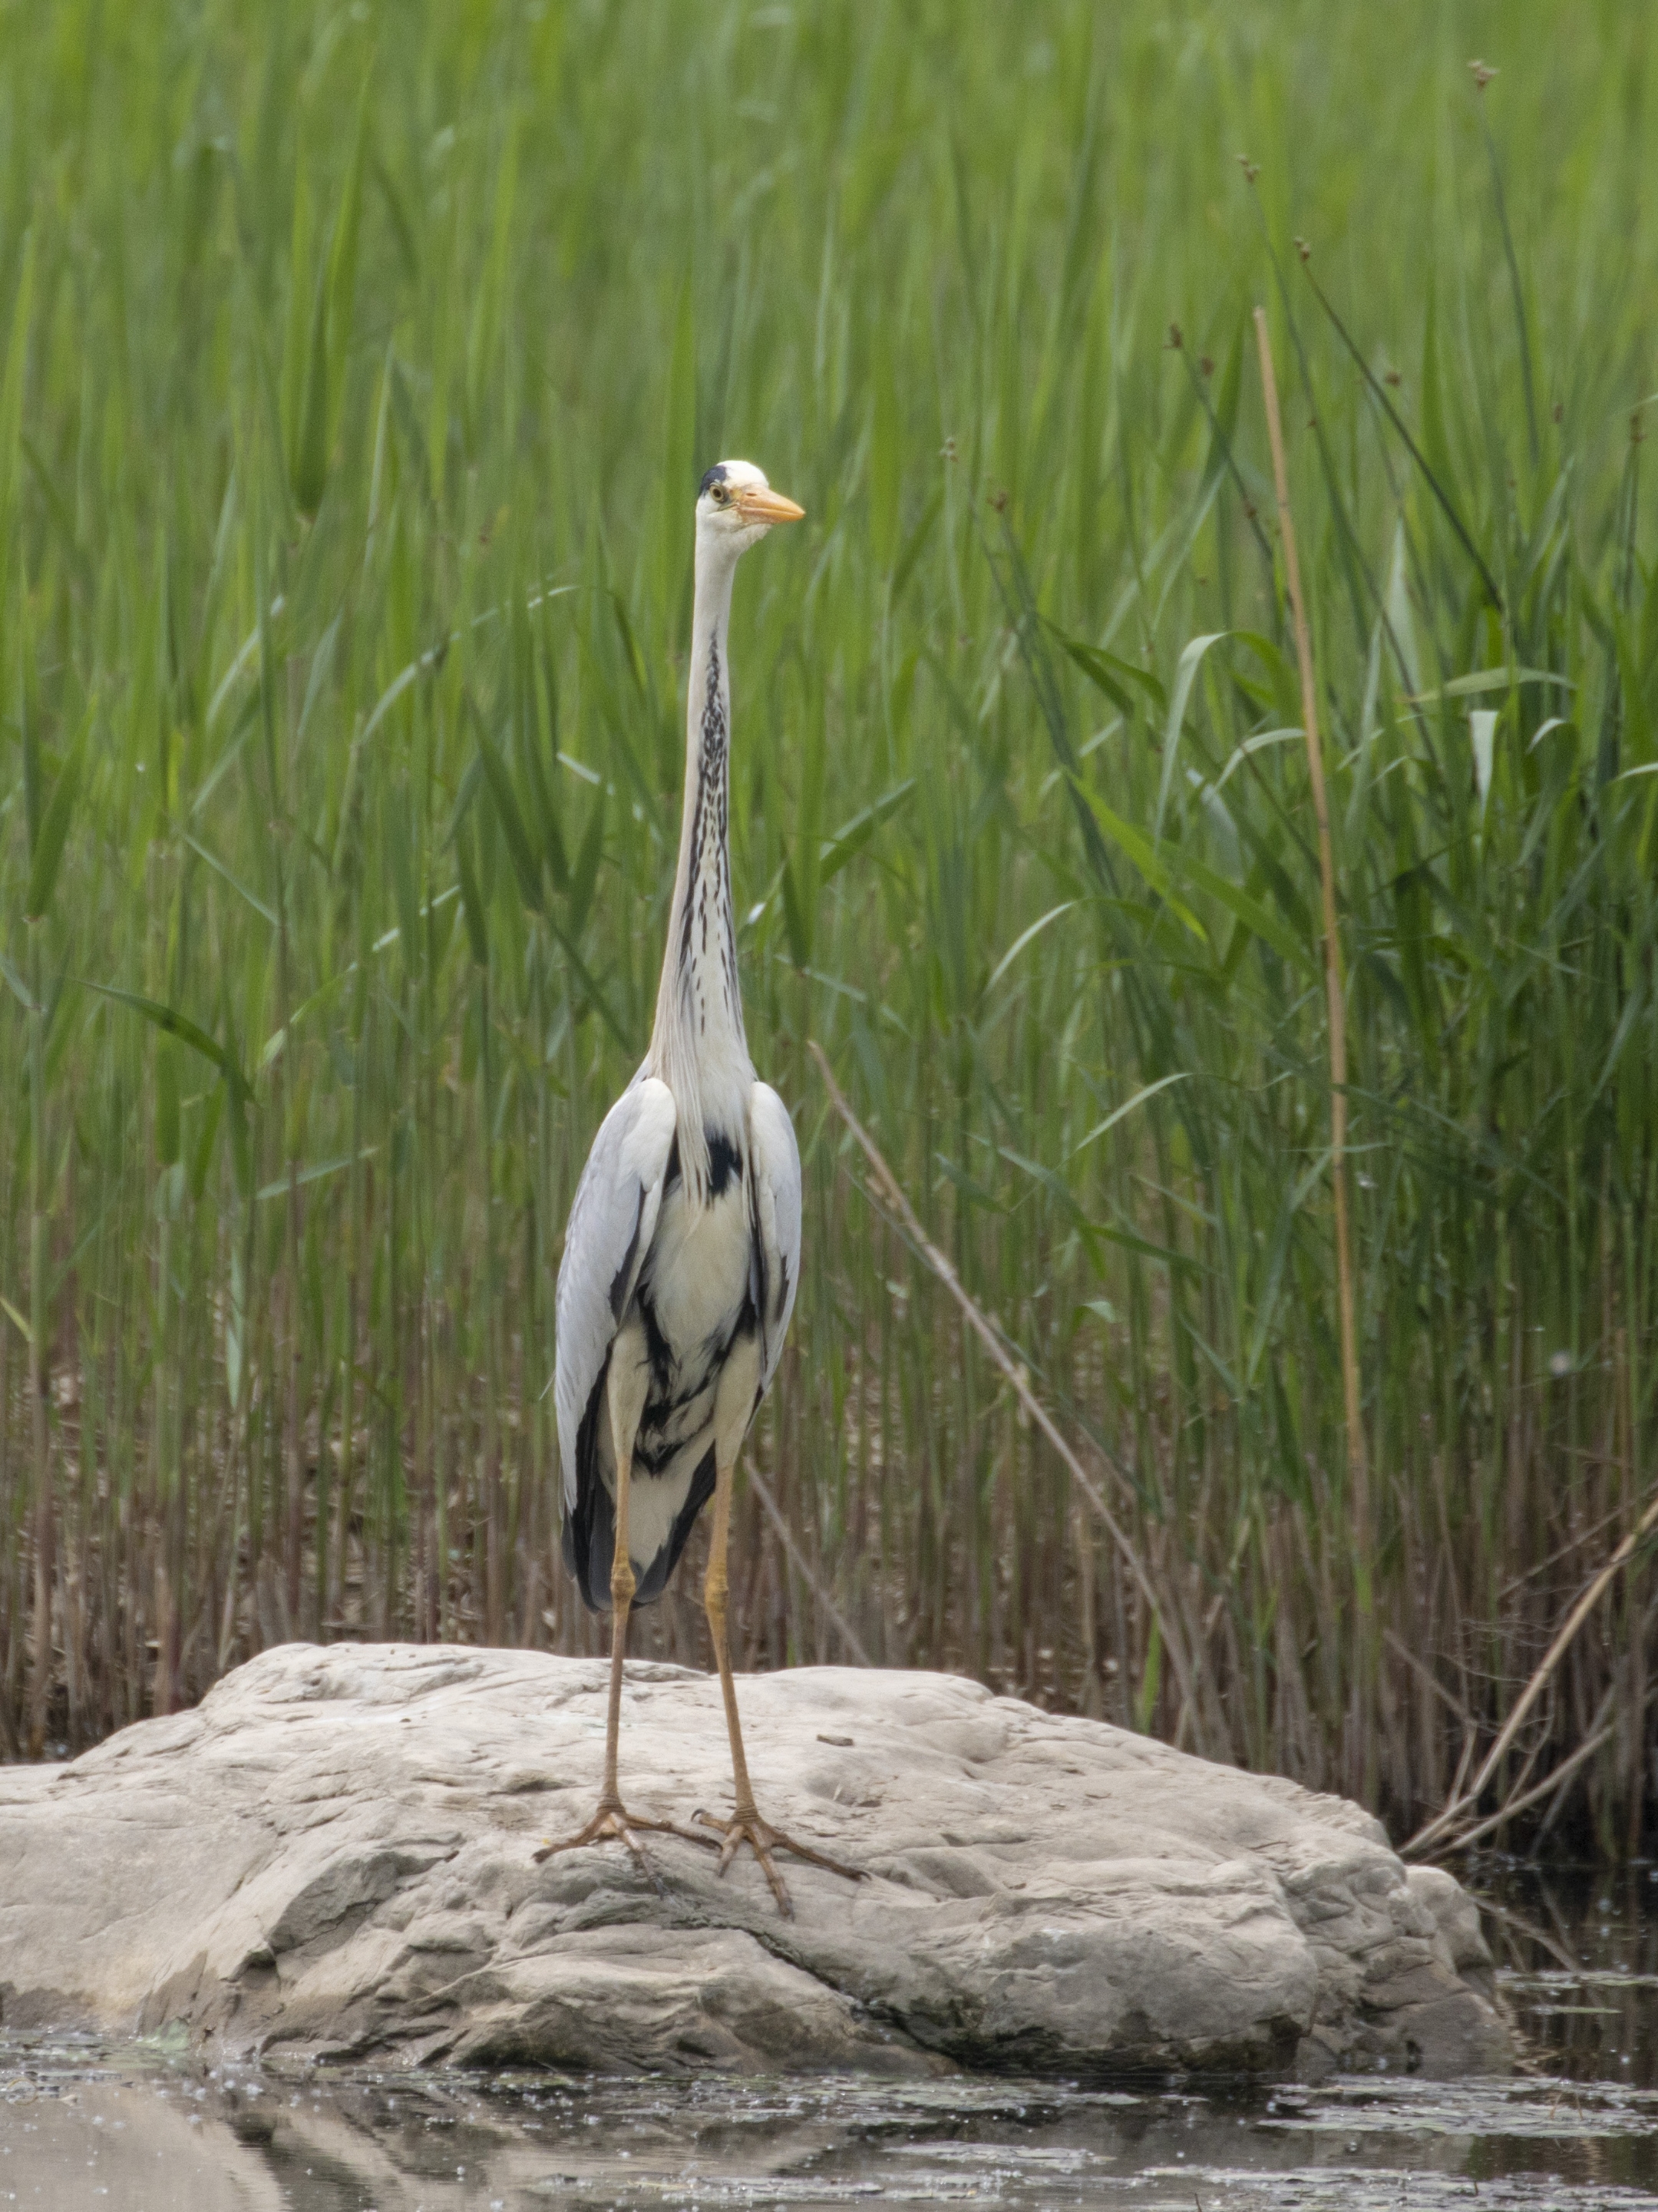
x: 746, y: 1825
x: 621, y: 1597
x: 715, y: 1585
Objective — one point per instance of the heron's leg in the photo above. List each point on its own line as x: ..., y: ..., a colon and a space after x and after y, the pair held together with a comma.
x: 612, y: 1820
x: 716, y: 1584
x: 746, y: 1825
x: 622, y: 1586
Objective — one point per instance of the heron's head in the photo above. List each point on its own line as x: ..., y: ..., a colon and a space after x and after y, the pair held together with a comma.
x: 735, y: 507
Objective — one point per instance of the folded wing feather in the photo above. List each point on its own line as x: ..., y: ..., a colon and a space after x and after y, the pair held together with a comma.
x: 611, y: 1225
x: 775, y: 1167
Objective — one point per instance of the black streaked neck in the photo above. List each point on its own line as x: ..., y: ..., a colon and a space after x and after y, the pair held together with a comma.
x: 698, y: 1046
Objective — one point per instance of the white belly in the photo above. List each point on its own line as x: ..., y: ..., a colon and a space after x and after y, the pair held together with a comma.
x: 697, y: 1274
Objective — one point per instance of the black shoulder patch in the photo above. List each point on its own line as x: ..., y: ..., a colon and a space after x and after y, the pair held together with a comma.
x: 715, y: 475
x: 725, y: 1162
x: 622, y: 1281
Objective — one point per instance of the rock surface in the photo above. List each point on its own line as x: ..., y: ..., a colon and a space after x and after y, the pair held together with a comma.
x: 333, y: 1854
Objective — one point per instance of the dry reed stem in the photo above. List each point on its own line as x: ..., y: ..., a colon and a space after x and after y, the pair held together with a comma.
x: 1425, y: 1674
x: 762, y: 1490
x: 892, y: 1190
x: 1357, y: 1466
x: 1460, y: 1801
x: 1514, y: 1804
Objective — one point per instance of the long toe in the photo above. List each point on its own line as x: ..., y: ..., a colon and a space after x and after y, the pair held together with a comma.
x: 813, y: 1857
x: 643, y: 1860
x: 779, y: 1888
x: 762, y: 1839
x: 615, y: 1824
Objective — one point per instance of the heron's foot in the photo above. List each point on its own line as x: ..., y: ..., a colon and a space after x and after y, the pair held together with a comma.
x: 762, y: 1839
x: 614, y: 1823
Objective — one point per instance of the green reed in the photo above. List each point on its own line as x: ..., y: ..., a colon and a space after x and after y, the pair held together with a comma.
x: 359, y: 364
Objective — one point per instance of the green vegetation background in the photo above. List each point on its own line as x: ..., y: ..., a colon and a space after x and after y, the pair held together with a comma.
x: 359, y: 362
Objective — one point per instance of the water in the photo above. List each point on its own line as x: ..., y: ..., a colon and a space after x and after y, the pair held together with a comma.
x: 149, y: 2129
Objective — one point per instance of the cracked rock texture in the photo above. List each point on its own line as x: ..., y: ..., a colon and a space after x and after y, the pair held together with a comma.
x: 333, y: 1854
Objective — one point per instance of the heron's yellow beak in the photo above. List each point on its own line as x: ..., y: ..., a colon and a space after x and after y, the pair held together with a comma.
x: 767, y: 505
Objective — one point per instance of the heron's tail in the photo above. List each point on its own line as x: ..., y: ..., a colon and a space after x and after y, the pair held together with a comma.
x: 590, y: 1530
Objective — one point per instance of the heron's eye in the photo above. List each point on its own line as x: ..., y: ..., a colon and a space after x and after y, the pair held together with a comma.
x: 720, y: 496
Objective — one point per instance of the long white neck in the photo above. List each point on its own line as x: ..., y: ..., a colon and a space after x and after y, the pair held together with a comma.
x: 698, y: 1046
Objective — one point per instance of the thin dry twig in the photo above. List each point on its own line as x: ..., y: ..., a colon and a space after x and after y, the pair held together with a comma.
x: 892, y: 1191
x: 1400, y: 1649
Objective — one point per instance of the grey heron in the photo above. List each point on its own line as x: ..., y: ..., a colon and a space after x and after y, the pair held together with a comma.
x: 683, y: 1253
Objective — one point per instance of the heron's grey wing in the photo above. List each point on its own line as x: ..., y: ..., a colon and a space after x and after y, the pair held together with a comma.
x: 611, y: 1225
x: 775, y: 1164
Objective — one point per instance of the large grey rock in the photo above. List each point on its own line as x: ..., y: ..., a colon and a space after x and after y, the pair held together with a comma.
x: 334, y: 1854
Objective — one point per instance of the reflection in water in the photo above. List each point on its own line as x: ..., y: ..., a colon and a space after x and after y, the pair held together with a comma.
x: 1577, y: 1954
x: 151, y: 2128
